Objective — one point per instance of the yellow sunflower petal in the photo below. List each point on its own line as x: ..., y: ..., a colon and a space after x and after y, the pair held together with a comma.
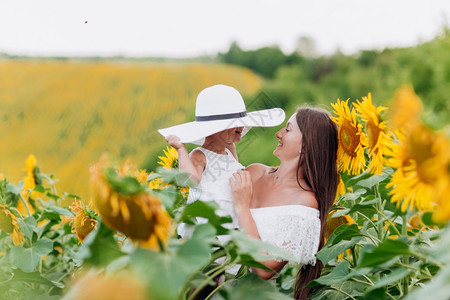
x: 170, y: 160
x: 418, y: 159
x: 406, y: 108
x: 352, y: 140
x: 379, y: 139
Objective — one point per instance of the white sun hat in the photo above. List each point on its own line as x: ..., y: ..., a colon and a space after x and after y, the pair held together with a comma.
x: 218, y: 108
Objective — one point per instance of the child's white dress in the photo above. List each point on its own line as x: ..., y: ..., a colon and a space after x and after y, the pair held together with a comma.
x: 215, y: 185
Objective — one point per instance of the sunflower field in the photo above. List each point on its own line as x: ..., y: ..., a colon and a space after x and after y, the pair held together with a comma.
x: 387, y: 233
x: 68, y: 112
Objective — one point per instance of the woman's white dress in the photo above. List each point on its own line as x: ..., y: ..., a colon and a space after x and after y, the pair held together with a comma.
x: 294, y: 228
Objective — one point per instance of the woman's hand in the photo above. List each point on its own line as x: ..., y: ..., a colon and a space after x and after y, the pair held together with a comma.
x: 241, y: 187
x: 174, y: 141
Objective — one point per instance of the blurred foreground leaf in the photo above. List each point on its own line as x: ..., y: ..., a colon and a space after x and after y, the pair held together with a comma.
x: 99, y: 247
x: 28, y: 258
x: 165, y: 274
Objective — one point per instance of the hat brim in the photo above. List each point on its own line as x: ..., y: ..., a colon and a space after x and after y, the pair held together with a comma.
x: 195, y: 132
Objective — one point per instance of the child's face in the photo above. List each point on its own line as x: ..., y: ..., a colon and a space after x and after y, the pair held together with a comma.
x: 230, y: 136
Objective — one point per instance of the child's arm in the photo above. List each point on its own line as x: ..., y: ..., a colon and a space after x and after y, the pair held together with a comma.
x: 193, y: 165
x: 232, y: 148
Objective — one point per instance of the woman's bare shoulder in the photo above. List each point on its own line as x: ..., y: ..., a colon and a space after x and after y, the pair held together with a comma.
x: 257, y: 170
x: 307, y: 198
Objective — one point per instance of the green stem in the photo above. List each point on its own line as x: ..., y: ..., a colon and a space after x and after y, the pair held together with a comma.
x: 380, y: 208
x: 214, y: 256
x: 218, y: 288
x: 407, y: 266
x: 7, y: 280
x: 362, y: 281
x: 368, y: 279
x: 218, y: 254
x: 186, y: 285
x: 427, y: 258
x: 213, y: 270
x: 162, y: 246
x: 25, y: 203
x: 352, y: 249
x: 405, y: 257
x: 390, y: 226
x: 205, y: 282
x: 341, y: 291
x: 387, y: 293
x: 374, y: 239
x: 366, y: 217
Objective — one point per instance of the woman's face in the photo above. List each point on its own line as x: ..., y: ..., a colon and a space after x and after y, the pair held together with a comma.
x: 289, y: 140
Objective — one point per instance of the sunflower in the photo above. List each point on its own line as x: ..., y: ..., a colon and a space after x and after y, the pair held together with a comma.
x: 415, y: 222
x: 141, y: 176
x: 340, y: 191
x: 126, y: 206
x: 441, y: 192
x: 332, y: 224
x: 184, y: 191
x: 378, y: 136
x: 170, y: 160
x: 8, y: 223
x: 442, y: 183
x: 95, y: 285
x: 420, y: 161
x: 352, y: 140
x: 156, y: 183
x: 406, y: 108
x: 30, y: 181
x: 84, y: 220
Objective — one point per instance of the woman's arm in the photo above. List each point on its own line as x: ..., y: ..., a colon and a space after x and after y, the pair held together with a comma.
x: 241, y: 187
x: 193, y: 165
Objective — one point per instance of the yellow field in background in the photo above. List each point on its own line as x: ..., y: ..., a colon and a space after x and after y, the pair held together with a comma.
x: 68, y: 113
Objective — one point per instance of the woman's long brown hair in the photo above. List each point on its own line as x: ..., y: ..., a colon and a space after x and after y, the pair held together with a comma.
x: 318, y: 162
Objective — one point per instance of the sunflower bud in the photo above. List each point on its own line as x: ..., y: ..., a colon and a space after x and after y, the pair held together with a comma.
x: 6, y: 221
x: 126, y: 206
x: 84, y: 221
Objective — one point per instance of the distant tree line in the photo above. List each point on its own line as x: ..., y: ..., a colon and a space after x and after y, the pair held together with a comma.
x: 304, y: 76
x: 264, y: 61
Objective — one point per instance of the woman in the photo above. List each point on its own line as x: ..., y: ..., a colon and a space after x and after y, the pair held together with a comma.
x: 288, y: 205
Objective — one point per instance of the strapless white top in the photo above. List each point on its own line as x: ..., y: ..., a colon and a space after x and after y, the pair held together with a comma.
x: 294, y: 228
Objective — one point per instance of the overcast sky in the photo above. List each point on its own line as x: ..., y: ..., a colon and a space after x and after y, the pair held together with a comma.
x: 180, y: 28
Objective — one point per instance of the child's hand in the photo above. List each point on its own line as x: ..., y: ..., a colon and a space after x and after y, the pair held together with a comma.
x: 241, y: 187
x: 174, y: 141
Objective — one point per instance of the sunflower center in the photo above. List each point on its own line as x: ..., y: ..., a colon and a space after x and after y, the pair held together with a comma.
x: 373, y: 132
x: 349, y: 138
x: 175, y: 163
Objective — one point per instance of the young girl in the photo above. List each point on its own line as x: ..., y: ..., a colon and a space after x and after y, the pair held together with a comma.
x: 221, y: 120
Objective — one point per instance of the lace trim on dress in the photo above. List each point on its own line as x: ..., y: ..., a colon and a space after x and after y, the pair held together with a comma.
x: 294, y: 228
